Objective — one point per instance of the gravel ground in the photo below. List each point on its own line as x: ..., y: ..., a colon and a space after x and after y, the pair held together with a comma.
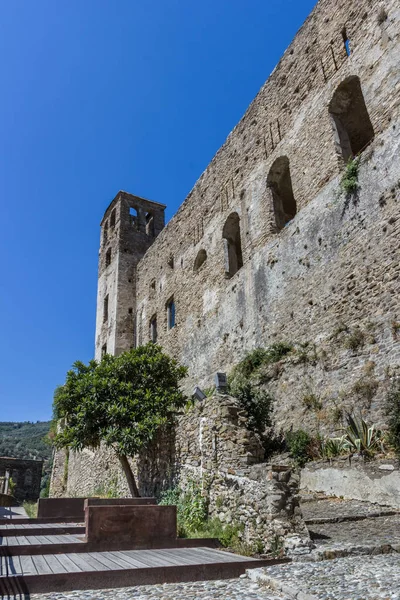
x: 353, y: 578
x: 227, y: 589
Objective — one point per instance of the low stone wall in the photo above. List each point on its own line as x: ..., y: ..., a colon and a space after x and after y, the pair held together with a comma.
x: 216, y: 448
x: 377, y: 482
x: 212, y: 446
x: 263, y: 500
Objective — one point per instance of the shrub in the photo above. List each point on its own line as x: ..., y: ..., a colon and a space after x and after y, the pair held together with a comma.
x: 365, y: 389
x: 355, y: 339
x: 349, y: 182
x: 244, y: 384
x: 261, y: 356
x: 298, y: 443
x: 192, y: 507
x: 393, y: 413
x: 255, y: 401
x: 312, y: 402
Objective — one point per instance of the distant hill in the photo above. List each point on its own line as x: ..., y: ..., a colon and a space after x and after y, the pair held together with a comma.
x: 26, y: 440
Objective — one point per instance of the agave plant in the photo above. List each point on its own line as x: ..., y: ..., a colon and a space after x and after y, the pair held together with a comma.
x: 362, y: 438
x: 333, y: 447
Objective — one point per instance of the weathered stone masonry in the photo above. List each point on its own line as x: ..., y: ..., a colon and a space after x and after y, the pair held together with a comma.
x: 265, y: 247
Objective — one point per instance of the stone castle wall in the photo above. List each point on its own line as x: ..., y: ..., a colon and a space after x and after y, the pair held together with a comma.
x: 326, y: 282
x: 292, y: 283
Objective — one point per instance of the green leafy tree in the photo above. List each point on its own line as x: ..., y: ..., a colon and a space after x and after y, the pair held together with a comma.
x: 121, y: 401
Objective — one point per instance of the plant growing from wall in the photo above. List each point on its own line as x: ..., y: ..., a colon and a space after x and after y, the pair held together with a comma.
x: 261, y: 356
x: 393, y: 413
x: 349, y: 182
x: 255, y: 401
x: 245, y: 384
x: 354, y: 340
x: 121, y: 402
x: 312, y: 402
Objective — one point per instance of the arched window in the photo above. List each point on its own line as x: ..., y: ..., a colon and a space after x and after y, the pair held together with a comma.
x: 133, y: 214
x: 232, y: 245
x: 200, y: 259
x: 350, y: 119
x: 153, y: 329
x: 108, y: 257
x: 280, y: 184
x: 171, y: 313
x: 105, y: 309
x: 149, y: 224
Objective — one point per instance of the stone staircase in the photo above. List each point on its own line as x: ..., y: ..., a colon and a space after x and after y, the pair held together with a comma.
x: 342, y: 531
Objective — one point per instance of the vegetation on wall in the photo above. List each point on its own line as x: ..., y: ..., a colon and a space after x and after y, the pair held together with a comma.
x: 358, y: 438
x: 393, y: 413
x: 245, y: 383
x: 349, y: 182
x: 194, y: 521
x: 121, y: 401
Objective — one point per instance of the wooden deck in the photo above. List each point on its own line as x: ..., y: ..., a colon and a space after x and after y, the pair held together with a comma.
x: 73, y: 571
x: 42, y: 555
x: 35, y: 540
x: 12, y: 526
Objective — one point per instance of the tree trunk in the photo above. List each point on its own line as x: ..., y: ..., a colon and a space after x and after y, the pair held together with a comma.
x: 129, y: 476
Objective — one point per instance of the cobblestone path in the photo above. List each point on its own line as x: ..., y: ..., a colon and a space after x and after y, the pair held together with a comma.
x: 352, y: 578
x: 228, y: 589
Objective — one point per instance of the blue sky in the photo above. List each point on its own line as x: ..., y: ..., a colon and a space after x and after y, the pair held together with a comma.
x: 98, y: 96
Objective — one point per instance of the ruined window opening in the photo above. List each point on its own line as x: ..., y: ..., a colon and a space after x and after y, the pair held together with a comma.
x: 108, y: 257
x: 279, y: 182
x: 170, y: 261
x: 103, y: 350
x: 130, y: 310
x: 232, y: 245
x: 153, y: 329
x: 346, y: 42
x: 149, y: 224
x: 133, y: 215
x: 350, y: 119
x: 171, y: 313
x: 105, y: 232
x: 112, y: 218
x: 200, y: 260
x: 105, y: 309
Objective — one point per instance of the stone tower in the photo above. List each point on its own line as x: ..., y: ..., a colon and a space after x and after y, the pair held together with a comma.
x: 129, y: 227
